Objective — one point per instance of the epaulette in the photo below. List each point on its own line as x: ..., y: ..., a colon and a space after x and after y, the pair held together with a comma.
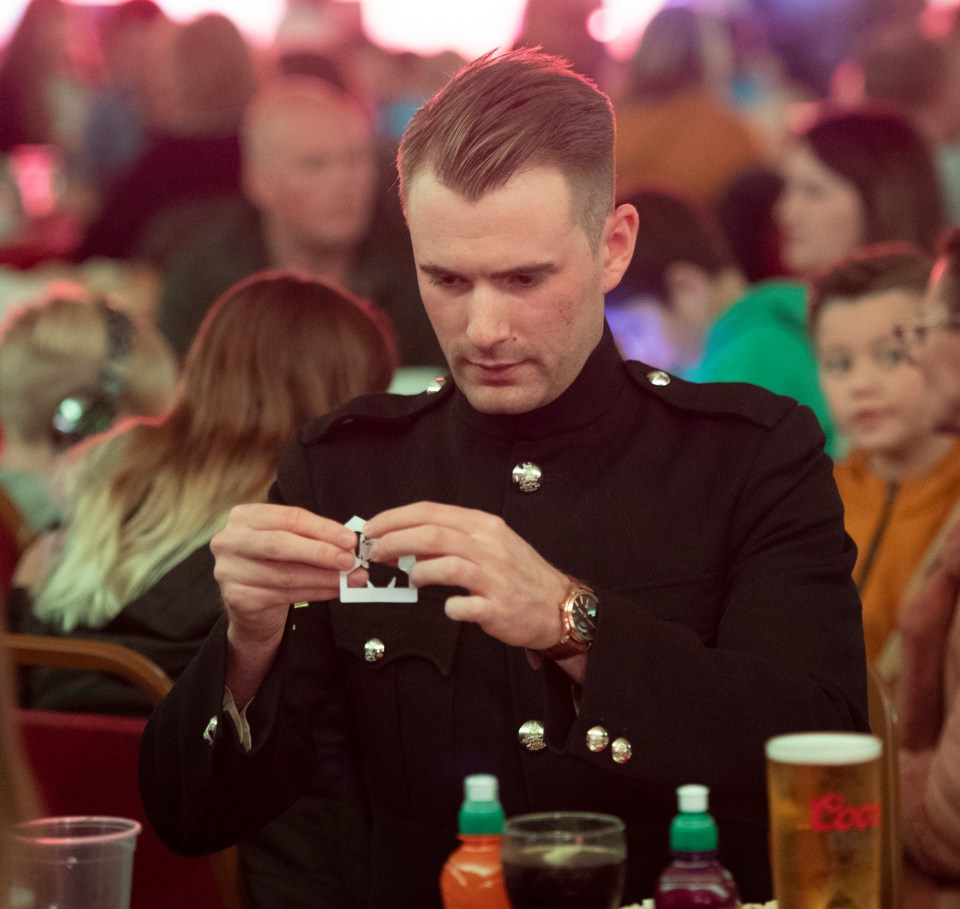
x: 727, y: 399
x: 386, y: 410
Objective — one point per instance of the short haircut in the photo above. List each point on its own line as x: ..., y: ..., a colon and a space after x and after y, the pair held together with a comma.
x: 949, y: 259
x: 891, y: 167
x: 868, y: 271
x: 503, y: 114
x: 672, y: 229
x: 292, y: 94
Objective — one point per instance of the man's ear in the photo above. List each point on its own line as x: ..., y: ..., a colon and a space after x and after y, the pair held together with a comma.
x: 619, y: 239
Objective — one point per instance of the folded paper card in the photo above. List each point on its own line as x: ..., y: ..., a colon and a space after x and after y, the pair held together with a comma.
x: 370, y: 593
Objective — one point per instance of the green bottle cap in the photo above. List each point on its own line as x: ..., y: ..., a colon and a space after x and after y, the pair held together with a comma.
x: 481, y: 813
x: 693, y: 830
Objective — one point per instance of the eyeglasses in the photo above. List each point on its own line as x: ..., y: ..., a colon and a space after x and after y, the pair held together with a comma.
x: 914, y: 332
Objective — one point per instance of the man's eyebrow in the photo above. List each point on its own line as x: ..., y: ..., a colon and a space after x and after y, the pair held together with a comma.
x: 538, y: 268
x: 435, y: 270
x: 533, y: 269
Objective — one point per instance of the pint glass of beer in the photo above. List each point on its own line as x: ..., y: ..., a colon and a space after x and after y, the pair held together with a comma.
x: 825, y: 835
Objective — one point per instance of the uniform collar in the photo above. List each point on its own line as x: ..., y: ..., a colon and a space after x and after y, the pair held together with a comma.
x: 592, y: 394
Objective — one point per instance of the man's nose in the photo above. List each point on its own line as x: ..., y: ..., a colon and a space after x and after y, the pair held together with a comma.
x: 488, y: 322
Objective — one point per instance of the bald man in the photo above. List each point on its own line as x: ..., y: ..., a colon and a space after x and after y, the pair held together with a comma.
x: 313, y: 202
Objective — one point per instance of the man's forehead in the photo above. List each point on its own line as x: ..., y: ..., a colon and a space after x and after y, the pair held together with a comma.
x: 550, y: 183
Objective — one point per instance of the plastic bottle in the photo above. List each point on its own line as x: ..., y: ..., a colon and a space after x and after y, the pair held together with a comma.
x: 694, y: 878
x: 472, y: 877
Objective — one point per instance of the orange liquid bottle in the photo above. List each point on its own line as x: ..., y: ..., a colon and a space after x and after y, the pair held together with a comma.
x: 472, y: 877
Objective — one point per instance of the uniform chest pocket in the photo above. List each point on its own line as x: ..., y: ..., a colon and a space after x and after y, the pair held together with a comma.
x: 384, y: 633
x: 398, y: 660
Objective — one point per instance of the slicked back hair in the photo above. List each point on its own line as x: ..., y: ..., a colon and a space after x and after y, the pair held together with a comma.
x: 504, y: 114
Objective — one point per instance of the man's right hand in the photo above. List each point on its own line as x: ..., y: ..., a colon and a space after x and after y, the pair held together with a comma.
x: 267, y: 557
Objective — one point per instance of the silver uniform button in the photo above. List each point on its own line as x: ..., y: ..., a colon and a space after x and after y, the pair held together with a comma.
x: 210, y: 731
x: 597, y: 739
x: 373, y: 650
x: 531, y: 735
x: 526, y: 476
x: 621, y: 750
x: 436, y: 385
x: 658, y: 377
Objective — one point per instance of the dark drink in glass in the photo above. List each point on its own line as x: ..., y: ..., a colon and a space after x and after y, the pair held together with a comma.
x: 564, y: 860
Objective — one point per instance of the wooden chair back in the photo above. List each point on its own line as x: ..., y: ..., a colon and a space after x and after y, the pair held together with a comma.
x: 883, y: 723
x: 84, y: 654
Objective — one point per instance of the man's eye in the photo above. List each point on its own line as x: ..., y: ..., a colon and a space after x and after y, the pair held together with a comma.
x: 444, y: 280
x: 522, y: 280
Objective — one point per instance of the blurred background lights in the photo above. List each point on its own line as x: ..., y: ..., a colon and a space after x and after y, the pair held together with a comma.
x: 430, y: 26
x: 423, y: 26
x: 619, y: 23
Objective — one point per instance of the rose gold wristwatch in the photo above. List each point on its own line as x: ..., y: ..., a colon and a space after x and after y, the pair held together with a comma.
x: 578, y: 613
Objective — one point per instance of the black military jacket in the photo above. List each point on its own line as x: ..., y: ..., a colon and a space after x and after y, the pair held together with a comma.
x: 707, y: 519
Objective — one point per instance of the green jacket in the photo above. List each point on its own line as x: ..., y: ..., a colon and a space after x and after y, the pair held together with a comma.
x: 763, y: 339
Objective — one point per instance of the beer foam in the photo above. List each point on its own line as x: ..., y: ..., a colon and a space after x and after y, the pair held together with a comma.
x: 824, y: 748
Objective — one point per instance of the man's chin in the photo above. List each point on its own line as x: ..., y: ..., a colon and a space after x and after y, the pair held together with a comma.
x: 502, y: 399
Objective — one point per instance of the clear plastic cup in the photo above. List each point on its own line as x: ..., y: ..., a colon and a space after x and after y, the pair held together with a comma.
x: 72, y: 863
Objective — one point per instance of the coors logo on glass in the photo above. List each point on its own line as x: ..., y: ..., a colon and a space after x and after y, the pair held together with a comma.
x: 825, y: 820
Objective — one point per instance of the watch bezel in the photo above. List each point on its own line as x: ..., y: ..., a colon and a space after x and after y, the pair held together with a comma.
x: 580, y: 609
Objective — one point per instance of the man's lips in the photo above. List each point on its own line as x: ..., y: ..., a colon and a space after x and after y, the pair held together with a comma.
x: 493, y: 370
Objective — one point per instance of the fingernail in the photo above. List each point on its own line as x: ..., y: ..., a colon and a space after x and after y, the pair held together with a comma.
x: 374, y: 552
x: 345, y: 560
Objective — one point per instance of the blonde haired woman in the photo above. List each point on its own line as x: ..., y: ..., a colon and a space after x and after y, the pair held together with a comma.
x: 69, y: 365
x: 135, y: 567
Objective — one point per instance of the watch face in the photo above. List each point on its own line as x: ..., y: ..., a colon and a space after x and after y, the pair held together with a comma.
x: 583, y: 616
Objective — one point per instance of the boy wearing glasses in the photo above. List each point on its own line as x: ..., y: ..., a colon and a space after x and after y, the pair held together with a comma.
x: 900, y: 477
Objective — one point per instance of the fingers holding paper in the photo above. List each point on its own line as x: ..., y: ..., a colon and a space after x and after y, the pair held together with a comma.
x: 267, y: 557
x: 513, y: 593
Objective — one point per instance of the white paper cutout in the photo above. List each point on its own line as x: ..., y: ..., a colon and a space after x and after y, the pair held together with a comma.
x: 371, y: 594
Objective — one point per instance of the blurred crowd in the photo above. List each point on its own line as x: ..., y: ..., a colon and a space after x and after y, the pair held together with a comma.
x: 167, y: 190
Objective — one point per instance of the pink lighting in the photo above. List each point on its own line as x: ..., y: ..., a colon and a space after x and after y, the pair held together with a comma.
x: 431, y: 26
x: 424, y: 26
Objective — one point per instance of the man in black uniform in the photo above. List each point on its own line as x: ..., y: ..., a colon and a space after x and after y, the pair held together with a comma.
x: 625, y: 582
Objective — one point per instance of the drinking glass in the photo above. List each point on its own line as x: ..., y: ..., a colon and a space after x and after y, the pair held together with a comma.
x: 72, y: 863
x: 825, y: 792
x: 564, y: 860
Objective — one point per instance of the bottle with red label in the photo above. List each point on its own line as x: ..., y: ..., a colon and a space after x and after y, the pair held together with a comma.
x: 694, y: 878
x: 472, y: 877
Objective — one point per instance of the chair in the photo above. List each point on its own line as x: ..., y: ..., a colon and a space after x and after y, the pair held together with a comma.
x: 883, y: 723
x: 87, y: 764
x: 99, y: 656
